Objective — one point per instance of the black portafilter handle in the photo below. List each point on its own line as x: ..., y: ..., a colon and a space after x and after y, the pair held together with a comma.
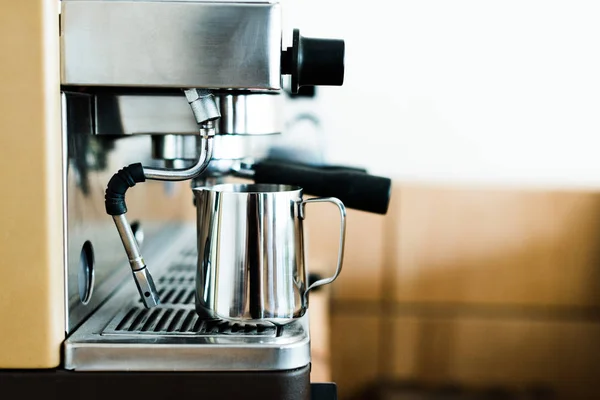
x: 354, y: 187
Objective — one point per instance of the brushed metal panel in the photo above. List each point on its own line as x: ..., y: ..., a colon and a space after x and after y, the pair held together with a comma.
x: 90, y: 161
x: 165, y: 114
x: 171, y: 44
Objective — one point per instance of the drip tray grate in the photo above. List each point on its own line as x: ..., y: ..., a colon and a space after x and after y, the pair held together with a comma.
x: 176, y: 315
x: 179, y: 321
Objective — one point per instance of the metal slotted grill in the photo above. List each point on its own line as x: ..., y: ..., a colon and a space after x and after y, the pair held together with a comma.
x: 174, y: 293
x: 176, y: 315
x: 171, y: 321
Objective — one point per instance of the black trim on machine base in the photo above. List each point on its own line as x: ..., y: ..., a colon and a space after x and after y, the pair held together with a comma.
x: 72, y: 385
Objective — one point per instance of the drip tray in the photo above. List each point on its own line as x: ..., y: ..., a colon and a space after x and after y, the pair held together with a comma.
x: 123, y: 335
x: 176, y: 316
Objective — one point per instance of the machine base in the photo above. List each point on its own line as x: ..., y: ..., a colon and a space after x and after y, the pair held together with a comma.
x: 67, y: 385
x: 122, y: 335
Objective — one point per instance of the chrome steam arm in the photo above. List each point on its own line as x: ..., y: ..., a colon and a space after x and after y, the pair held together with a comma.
x: 204, y: 107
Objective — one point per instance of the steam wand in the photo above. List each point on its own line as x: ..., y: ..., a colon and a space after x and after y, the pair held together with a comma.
x: 205, y: 111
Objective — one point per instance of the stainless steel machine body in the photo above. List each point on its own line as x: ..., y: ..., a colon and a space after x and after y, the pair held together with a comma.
x: 124, y: 64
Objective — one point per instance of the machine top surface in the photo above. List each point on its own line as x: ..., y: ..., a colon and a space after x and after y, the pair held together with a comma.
x: 123, y: 335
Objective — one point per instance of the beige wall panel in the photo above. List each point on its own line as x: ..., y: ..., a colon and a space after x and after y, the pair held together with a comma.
x: 484, y: 352
x: 404, y: 351
x: 320, y: 332
x: 146, y: 199
x: 320, y: 370
x: 320, y: 321
x: 31, y: 245
x: 364, y: 255
x: 354, y: 351
x: 497, y: 246
x: 177, y: 205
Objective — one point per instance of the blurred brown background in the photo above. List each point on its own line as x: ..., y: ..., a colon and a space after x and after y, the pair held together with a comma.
x: 478, y: 287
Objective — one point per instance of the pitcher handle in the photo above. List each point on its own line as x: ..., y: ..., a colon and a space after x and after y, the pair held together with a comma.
x: 340, y: 259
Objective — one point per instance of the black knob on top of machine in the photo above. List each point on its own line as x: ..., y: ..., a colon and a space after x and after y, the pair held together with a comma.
x: 314, y: 62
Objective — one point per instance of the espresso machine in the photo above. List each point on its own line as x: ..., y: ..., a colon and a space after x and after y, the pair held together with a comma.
x: 133, y: 96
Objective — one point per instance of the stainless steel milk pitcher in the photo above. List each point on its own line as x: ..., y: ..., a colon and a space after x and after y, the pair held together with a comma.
x: 251, y: 263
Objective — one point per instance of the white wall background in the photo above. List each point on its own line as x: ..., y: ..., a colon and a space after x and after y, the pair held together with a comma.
x: 472, y: 91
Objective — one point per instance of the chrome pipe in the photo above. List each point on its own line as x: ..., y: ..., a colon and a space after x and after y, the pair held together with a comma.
x: 164, y: 174
x: 141, y: 275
